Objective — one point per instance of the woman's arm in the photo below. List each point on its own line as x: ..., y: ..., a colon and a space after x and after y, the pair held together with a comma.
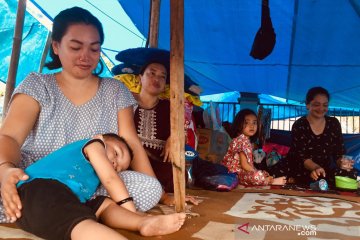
x: 166, y: 151
x: 339, y: 147
x: 300, y: 139
x: 20, y: 119
x: 108, y: 176
x: 315, y: 170
x: 127, y: 130
x: 338, y: 139
x: 310, y: 165
x: 300, y: 146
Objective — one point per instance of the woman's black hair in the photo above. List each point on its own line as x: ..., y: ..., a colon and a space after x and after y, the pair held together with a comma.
x: 239, y: 123
x: 313, y: 92
x: 61, y: 24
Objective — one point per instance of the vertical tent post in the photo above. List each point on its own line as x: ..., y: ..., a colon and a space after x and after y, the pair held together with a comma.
x: 45, y: 52
x: 15, y: 53
x: 177, y: 101
x: 154, y: 23
x: 291, y: 55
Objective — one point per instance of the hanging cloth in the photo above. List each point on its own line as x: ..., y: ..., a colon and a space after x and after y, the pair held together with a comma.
x: 265, y: 38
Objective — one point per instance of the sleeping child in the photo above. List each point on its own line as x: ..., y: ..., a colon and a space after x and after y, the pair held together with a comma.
x: 80, y: 167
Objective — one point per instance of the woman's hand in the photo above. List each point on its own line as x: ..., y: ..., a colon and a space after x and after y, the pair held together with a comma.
x: 315, y: 174
x: 166, y: 153
x: 9, y: 193
x: 169, y: 200
x: 315, y: 169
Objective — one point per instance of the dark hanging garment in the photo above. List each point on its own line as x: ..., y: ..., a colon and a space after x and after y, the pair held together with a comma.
x: 265, y: 38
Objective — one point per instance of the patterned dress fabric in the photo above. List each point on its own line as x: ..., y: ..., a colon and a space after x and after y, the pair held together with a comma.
x: 153, y: 129
x: 232, y: 162
x: 323, y: 149
x: 61, y: 122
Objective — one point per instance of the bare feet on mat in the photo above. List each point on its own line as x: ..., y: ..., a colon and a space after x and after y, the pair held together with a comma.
x: 279, y: 181
x: 162, y: 224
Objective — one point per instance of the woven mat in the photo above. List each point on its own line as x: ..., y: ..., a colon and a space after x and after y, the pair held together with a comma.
x: 258, y: 213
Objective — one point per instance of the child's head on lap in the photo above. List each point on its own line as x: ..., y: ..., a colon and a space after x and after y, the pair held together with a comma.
x: 118, y: 151
x: 245, y: 122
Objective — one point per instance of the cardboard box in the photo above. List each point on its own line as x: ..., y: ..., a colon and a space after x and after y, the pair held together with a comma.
x: 204, y: 140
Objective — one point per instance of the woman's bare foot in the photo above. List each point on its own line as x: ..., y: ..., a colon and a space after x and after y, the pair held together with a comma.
x: 279, y: 181
x: 161, y: 224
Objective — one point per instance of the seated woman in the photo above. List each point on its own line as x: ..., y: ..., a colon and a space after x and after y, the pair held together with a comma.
x: 152, y: 118
x: 64, y: 107
x: 152, y: 121
x: 317, y: 146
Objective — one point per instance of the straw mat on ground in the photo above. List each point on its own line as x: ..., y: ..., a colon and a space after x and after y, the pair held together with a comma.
x: 257, y: 213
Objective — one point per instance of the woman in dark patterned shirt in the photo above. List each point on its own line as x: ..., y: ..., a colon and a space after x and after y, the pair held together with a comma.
x: 317, y: 146
x: 152, y: 122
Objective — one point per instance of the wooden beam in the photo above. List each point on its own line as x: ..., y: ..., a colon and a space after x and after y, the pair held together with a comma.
x: 15, y: 53
x: 177, y: 101
x: 45, y: 52
x: 154, y: 23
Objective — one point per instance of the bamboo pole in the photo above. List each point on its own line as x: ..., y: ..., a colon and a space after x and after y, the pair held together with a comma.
x: 45, y: 52
x: 177, y: 101
x: 154, y: 23
x: 15, y: 53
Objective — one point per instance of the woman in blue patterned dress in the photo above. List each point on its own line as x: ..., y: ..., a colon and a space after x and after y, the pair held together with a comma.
x: 48, y: 111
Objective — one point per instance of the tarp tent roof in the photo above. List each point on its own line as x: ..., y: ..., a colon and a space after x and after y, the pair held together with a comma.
x: 34, y: 39
x: 120, y: 33
x: 317, y: 43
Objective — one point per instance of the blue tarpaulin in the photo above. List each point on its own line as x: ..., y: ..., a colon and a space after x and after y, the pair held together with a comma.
x: 317, y: 43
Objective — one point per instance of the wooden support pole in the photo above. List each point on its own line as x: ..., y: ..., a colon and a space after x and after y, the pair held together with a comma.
x: 15, y: 53
x: 45, y: 52
x: 154, y: 23
x: 177, y: 101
